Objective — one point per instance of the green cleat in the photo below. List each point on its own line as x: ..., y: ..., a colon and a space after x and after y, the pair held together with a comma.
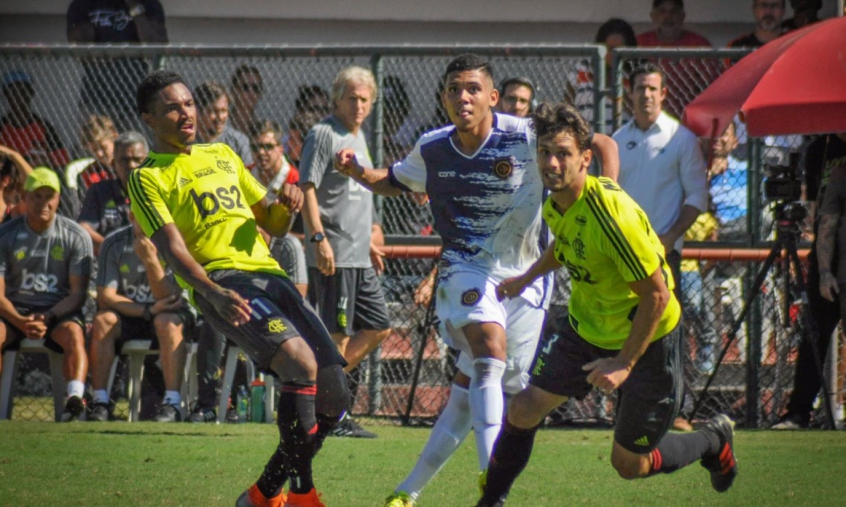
x: 399, y: 499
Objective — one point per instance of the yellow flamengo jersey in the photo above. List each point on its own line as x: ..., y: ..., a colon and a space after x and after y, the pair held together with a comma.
x: 207, y: 195
x: 605, y: 241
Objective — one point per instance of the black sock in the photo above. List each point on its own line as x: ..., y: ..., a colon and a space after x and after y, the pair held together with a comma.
x: 297, y: 428
x: 676, y: 451
x: 275, y: 473
x: 511, y: 453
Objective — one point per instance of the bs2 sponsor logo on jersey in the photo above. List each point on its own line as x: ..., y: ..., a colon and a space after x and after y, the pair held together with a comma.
x: 578, y: 273
x: 39, y: 282
x: 209, y: 203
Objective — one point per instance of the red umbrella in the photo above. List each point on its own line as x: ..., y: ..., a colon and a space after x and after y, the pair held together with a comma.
x: 796, y: 84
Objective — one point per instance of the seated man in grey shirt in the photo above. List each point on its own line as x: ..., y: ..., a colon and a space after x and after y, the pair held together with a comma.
x: 45, y: 264
x: 138, y: 299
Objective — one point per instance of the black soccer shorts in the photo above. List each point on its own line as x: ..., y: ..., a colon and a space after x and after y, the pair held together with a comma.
x: 647, y: 402
x: 349, y: 300
x: 279, y: 313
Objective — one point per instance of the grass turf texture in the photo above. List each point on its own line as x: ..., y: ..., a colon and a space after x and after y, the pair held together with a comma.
x: 147, y: 464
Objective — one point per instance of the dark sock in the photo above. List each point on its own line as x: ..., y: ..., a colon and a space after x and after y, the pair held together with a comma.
x: 275, y: 473
x: 676, y: 451
x: 511, y: 453
x: 297, y: 428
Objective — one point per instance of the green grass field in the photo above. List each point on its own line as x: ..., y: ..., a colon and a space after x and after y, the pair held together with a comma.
x: 143, y: 464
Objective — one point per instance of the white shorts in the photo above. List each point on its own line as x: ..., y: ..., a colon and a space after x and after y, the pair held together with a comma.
x: 466, y: 298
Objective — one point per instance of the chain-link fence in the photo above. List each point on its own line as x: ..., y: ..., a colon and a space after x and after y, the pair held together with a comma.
x: 292, y: 86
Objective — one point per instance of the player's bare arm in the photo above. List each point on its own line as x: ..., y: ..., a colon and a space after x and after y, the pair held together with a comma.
x: 688, y: 216
x: 8, y: 311
x: 72, y: 302
x: 825, y: 253
x: 609, y: 374
x: 375, y: 180
x: 230, y: 305
x: 609, y: 156
x: 513, y: 287
x: 277, y: 217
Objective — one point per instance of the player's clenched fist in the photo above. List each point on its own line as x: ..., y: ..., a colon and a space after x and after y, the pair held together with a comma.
x: 347, y: 164
x: 291, y: 196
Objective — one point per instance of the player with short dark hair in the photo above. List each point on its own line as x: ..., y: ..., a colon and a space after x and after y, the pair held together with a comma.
x: 200, y: 206
x: 623, y: 330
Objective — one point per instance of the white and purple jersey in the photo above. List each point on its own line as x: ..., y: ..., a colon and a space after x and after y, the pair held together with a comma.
x: 486, y: 206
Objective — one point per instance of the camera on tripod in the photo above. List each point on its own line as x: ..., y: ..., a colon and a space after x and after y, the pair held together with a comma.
x: 783, y: 186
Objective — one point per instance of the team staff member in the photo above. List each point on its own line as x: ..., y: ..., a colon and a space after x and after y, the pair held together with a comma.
x: 200, y: 206
x: 623, y: 329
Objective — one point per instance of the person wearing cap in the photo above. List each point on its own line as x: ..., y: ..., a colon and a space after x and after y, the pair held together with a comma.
x: 26, y: 132
x: 45, y: 264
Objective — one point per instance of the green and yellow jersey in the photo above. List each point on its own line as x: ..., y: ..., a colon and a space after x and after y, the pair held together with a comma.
x: 605, y: 242
x: 207, y: 195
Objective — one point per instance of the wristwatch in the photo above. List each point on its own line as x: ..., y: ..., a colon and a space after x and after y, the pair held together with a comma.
x: 318, y: 237
x: 147, y: 315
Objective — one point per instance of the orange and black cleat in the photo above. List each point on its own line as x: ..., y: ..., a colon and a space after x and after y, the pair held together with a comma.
x: 722, y: 464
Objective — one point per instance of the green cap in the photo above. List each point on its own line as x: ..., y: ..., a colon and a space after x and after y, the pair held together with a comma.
x: 42, y: 177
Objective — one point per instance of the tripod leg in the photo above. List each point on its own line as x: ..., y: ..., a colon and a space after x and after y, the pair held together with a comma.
x: 811, y: 330
x: 735, y: 326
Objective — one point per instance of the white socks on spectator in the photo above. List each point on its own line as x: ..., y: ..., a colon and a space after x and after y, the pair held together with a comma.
x: 76, y: 388
x: 451, y: 429
x: 172, y: 398
x: 486, y: 405
x: 100, y: 396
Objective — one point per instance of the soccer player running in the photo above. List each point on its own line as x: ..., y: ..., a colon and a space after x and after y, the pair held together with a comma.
x: 200, y: 206
x: 623, y: 331
x: 485, y: 192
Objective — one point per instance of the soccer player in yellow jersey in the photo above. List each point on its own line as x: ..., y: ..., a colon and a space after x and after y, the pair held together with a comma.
x: 200, y: 206
x: 623, y: 331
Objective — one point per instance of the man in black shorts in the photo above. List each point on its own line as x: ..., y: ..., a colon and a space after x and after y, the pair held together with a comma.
x: 201, y: 208
x: 622, y: 333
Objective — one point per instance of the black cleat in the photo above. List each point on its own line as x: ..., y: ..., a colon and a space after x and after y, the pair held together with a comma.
x: 722, y: 464
x: 346, y: 427
x: 201, y: 414
x: 74, y: 408
x: 99, y: 412
x: 168, y: 413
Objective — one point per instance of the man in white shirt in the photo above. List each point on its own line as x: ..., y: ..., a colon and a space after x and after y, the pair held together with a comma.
x: 661, y: 166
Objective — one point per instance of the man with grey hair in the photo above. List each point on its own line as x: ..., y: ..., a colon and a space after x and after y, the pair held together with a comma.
x: 342, y: 257
x: 106, y: 204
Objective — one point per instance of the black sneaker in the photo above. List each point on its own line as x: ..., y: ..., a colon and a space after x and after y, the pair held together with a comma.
x: 168, y: 413
x: 346, y: 427
x: 99, y: 412
x: 201, y: 414
x: 792, y: 422
x: 722, y: 464
x: 74, y: 408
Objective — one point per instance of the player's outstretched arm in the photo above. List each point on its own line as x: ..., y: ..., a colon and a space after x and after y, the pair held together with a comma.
x: 375, y: 180
x: 606, y: 150
x: 230, y: 305
x: 513, y: 287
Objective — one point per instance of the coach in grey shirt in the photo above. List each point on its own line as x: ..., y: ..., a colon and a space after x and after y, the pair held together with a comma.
x: 45, y: 264
x: 338, y: 215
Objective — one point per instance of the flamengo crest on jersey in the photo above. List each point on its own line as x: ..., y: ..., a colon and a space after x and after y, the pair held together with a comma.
x: 486, y: 207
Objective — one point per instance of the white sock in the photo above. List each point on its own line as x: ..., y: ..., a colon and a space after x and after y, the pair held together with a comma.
x: 451, y: 429
x: 172, y: 398
x: 486, y: 405
x: 76, y: 388
x: 100, y: 396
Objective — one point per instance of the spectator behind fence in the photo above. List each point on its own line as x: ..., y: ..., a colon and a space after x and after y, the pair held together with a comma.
x: 298, y: 128
x: 106, y: 205
x: 728, y: 179
x: 343, y: 260
x: 516, y: 96
x: 45, y: 263
x: 246, y: 88
x: 823, y: 157
x: 108, y: 84
x: 97, y: 139
x: 697, y: 290
x: 213, y: 115
x: 138, y: 299
x: 313, y: 99
x: 661, y: 166
x: 768, y: 16
x: 24, y: 131
x: 13, y: 172
x: 397, y: 134
x: 272, y: 167
x: 805, y: 12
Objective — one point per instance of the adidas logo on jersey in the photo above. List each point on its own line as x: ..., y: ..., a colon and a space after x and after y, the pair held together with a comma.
x: 183, y: 181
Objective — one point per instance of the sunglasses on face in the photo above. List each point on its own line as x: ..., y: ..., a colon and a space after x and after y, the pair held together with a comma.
x: 251, y: 87
x: 263, y: 146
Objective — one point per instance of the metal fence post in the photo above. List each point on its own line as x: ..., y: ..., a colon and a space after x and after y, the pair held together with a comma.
x: 597, y: 61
